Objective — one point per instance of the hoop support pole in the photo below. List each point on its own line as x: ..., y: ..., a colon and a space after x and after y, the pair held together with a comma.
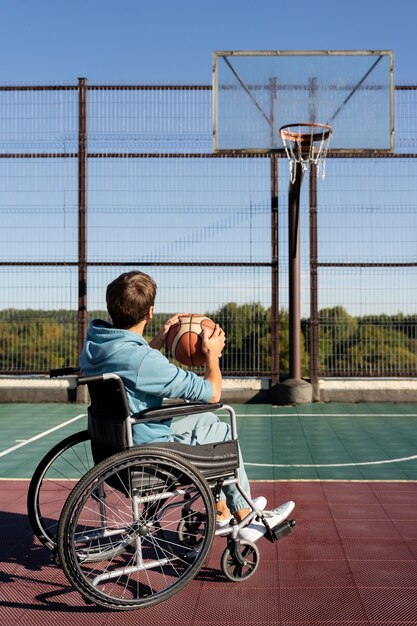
x: 294, y: 308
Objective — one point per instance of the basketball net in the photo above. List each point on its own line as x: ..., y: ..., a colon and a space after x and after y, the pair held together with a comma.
x: 306, y: 143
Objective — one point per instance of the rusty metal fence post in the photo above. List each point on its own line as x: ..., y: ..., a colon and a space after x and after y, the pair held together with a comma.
x: 82, y: 212
x: 274, y: 273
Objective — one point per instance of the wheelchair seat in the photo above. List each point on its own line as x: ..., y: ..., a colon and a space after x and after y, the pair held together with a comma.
x: 110, y: 428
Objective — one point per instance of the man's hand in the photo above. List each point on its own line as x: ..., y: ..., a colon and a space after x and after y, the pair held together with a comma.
x: 212, y: 341
x: 159, y: 340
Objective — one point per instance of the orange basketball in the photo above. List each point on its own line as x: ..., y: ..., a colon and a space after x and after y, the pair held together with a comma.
x: 184, y: 339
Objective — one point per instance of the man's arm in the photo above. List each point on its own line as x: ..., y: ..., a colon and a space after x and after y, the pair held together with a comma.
x: 212, y: 345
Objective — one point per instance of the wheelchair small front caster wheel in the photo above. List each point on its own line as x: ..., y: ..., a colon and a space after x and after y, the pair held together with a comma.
x: 240, y: 565
x: 191, y: 531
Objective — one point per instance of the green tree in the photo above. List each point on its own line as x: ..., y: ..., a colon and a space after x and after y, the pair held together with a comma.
x: 336, y: 329
x: 34, y: 340
x: 247, y: 329
x: 380, y: 350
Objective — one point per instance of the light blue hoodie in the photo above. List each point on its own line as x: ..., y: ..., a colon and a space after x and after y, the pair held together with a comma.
x: 148, y: 376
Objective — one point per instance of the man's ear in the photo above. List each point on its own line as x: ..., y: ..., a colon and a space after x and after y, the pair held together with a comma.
x: 149, y: 315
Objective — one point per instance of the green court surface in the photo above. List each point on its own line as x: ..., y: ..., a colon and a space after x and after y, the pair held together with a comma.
x: 307, y: 442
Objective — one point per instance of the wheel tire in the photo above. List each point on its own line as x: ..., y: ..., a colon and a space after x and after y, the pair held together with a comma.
x: 151, y: 564
x: 52, y: 481
x: 236, y: 571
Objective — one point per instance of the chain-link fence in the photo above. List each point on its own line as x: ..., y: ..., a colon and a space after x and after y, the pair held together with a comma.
x: 101, y: 179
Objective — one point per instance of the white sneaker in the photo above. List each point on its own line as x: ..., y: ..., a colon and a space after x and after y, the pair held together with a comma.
x: 260, y: 503
x: 256, y: 530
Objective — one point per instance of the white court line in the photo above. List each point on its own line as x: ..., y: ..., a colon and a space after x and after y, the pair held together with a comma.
x: 404, y: 458
x: 46, y: 432
x: 326, y: 414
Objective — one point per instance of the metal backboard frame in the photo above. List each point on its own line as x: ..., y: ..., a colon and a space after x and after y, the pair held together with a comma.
x: 257, y: 92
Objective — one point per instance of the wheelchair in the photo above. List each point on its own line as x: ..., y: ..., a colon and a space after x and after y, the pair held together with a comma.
x: 136, y: 523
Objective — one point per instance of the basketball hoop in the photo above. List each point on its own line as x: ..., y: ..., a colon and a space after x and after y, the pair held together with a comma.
x: 306, y: 143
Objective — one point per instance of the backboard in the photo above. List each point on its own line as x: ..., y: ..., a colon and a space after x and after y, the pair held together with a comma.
x: 257, y: 92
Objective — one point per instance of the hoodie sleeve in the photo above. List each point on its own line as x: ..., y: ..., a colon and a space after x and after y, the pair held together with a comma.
x: 158, y: 377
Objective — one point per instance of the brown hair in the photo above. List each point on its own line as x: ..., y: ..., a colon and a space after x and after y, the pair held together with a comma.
x: 129, y: 298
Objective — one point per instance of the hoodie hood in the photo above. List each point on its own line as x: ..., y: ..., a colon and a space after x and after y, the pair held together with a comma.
x: 104, y: 342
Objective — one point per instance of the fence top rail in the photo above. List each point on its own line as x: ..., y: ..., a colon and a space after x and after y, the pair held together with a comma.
x: 201, y: 155
x: 133, y: 87
x: 38, y: 87
x: 104, y: 87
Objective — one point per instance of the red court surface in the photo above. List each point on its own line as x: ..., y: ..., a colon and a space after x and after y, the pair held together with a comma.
x: 350, y: 561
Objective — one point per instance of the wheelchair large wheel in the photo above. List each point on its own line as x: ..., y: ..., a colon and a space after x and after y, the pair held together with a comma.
x: 57, y: 473
x: 118, y: 540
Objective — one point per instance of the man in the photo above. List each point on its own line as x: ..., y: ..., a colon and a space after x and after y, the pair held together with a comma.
x: 149, y: 377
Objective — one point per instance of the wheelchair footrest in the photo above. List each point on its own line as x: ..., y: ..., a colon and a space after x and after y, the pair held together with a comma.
x: 280, y: 530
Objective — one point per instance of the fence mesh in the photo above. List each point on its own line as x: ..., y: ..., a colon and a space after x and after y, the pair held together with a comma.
x: 203, y: 225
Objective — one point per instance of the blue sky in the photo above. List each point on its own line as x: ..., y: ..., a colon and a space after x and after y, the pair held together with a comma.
x: 163, y: 40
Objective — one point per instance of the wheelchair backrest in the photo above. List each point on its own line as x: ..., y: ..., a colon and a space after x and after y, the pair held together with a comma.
x: 108, y: 414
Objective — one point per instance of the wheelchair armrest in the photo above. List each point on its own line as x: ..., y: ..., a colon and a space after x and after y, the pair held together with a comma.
x: 175, y: 410
x: 84, y: 380
x: 64, y: 371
